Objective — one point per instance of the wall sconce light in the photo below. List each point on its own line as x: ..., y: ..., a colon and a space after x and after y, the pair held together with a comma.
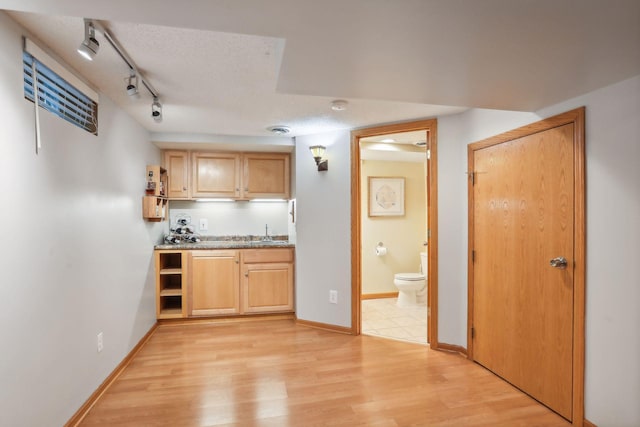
x: 317, y: 151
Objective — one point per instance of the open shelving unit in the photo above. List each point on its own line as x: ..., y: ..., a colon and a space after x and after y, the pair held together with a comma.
x: 154, y: 203
x: 170, y: 287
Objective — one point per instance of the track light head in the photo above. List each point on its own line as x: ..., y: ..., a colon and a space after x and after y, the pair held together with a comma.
x: 89, y: 46
x: 156, y: 110
x: 132, y: 86
x: 132, y: 91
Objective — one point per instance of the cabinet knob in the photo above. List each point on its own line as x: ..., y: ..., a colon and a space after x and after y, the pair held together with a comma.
x: 237, y: 261
x: 246, y: 274
x: 184, y: 188
x: 246, y: 188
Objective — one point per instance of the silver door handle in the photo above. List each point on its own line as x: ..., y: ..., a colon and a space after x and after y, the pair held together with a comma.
x: 559, y: 262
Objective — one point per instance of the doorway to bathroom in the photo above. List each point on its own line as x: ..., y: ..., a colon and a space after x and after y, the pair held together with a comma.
x: 394, y: 221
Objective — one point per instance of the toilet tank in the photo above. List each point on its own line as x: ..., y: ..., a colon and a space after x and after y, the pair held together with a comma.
x: 423, y: 263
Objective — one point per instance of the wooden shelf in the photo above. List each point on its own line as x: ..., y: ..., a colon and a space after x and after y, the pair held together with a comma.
x: 169, y: 284
x: 154, y: 208
x: 170, y: 313
x: 171, y: 292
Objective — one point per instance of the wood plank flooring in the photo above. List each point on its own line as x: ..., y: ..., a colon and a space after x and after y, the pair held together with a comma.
x: 276, y: 373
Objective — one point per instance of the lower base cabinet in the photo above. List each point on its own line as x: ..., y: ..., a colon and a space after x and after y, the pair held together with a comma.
x: 214, y: 283
x: 220, y: 282
x: 267, y: 282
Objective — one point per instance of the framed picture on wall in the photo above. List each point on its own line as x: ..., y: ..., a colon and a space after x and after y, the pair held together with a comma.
x: 386, y: 196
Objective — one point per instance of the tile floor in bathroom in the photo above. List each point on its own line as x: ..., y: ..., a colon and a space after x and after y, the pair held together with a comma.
x: 383, y: 318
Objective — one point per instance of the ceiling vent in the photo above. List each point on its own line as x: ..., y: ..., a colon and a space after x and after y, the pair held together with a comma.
x: 279, y: 130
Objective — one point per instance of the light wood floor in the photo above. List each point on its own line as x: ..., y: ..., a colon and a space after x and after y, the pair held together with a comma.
x: 275, y: 373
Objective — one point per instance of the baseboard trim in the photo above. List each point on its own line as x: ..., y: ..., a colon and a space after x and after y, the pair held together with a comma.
x: 451, y: 348
x: 227, y: 319
x: 588, y: 423
x: 381, y: 295
x: 324, y: 326
x: 91, y: 401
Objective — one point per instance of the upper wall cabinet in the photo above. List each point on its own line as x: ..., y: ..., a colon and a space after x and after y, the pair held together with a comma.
x: 265, y: 175
x: 177, y: 165
x: 215, y: 175
x: 238, y: 176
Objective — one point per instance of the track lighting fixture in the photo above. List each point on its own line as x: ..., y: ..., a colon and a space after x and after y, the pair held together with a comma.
x: 132, y: 85
x: 89, y: 46
x: 136, y: 79
x: 156, y: 110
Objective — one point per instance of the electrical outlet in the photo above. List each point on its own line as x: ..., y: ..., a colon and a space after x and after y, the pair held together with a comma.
x: 100, y: 342
x: 204, y: 224
x: 333, y: 296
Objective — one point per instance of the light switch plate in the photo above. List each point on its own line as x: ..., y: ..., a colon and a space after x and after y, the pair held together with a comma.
x: 204, y: 224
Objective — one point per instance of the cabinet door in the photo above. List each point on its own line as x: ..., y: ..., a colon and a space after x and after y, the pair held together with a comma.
x: 177, y: 165
x: 267, y: 288
x: 266, y: 175
x: 215, y: 175
x: 215, y: 283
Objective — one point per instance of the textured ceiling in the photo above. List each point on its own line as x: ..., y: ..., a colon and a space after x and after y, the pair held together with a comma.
x: 231, y: 67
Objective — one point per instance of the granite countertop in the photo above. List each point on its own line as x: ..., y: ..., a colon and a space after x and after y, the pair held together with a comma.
x: 229, y: 242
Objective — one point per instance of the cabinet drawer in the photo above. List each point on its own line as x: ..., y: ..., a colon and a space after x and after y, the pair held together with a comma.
x: 253, y: 256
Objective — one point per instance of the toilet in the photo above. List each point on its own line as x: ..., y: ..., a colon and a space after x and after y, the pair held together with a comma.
x: 412, y: 287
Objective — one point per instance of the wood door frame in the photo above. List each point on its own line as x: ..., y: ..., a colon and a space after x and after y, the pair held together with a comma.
x: 431, y: 127
x: 577, y: 118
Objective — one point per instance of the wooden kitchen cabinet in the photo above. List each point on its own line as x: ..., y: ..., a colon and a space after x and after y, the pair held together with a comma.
x: 232, y: 175
x: 214, y: 282
x: 215, y: 175
x: 265, y: 175
x: 177, y: 165
x: 267, y: 282
x: 170, y: 284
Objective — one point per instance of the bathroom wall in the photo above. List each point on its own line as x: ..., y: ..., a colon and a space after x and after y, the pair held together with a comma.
x: 403, y: 236
x: 234, y: 218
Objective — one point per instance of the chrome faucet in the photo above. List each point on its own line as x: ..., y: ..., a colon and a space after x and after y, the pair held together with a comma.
x: 266, y: 237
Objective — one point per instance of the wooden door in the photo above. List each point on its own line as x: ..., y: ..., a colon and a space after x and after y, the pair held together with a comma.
x: 265, y: 175
x: 215, y: 175
x: 177, y: 165
x: 215, y: 282
x: 523, y: 217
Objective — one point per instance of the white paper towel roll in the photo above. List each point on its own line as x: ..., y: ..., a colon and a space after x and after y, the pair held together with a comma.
x: 381, y: 251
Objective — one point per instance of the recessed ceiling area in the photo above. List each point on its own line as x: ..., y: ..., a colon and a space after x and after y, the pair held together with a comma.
x: 395, y: 147
x: 237, y: 68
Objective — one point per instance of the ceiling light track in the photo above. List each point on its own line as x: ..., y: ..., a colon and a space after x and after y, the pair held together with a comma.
x: 92, y: 25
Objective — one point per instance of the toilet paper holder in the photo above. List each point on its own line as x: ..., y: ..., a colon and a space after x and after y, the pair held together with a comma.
x: 380, y: 249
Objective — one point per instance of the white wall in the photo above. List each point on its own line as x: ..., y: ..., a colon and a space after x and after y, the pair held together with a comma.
x: 613, y: 252
x: 454, y: 133
x: 613, y: 239
x: 76, y: 257
x: 234, y: 218
x: 323, y: 248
